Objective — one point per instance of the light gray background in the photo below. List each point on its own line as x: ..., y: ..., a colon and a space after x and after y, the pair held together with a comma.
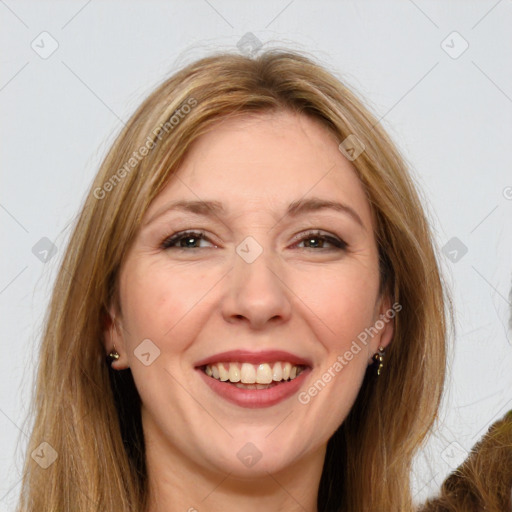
x: 451, y: 117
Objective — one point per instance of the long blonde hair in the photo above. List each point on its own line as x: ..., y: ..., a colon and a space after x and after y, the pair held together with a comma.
x: 90, y: 414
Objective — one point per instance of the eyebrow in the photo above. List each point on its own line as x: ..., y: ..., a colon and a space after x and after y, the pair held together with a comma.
x: 295, y: 208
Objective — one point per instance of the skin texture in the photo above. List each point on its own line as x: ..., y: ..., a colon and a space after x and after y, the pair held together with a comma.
x: 306, y: 298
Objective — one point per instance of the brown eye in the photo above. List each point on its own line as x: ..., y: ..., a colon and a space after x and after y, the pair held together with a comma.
x: 317, y: 240
x: 184, y: 240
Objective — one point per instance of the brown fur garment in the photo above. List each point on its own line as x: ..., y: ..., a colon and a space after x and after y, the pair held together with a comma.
x: 483, y: 483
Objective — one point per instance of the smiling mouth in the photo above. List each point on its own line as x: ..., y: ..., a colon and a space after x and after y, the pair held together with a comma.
x: 253, y: 376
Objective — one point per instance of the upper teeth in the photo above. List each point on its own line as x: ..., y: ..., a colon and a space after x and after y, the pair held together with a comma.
x: 248, y: 373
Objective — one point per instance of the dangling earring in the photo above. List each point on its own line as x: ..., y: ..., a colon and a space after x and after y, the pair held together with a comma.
x: 114, y: 354
x: 378, y: 359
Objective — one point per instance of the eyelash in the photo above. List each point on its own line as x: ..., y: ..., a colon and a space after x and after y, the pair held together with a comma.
x: 168, y: 243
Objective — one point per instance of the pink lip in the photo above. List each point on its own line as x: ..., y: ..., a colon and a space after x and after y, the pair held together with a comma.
x: 254, y: 398
x: 247, y: 356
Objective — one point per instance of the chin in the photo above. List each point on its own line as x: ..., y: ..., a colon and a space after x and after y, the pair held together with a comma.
x: 253, y: 457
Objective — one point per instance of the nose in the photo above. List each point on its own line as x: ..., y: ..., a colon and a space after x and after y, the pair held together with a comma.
x: 256, y: 294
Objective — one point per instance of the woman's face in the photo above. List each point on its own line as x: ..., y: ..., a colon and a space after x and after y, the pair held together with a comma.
x: 245, y: 264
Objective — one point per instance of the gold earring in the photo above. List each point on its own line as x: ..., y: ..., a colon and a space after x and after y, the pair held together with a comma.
x: 378, y: 359
x: 114, y: 354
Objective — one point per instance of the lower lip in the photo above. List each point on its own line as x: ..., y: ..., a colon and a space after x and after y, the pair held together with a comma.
x: 254, y: 398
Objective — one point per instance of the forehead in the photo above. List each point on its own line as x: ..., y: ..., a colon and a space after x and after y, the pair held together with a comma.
x: 266, y: 160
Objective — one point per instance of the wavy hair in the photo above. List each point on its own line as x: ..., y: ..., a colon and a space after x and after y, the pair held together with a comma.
x: 90, y: 414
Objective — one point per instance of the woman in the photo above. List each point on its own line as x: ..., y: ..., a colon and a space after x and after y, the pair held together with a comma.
x: 254, y: 259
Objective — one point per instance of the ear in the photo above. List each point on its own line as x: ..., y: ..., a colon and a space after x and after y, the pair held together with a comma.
x: 113, y: 338
x: 384, y: 322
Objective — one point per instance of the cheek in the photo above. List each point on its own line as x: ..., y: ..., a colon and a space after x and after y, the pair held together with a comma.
x: 341, y: 303
x: 340, y: 307
x: 156, y: 298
